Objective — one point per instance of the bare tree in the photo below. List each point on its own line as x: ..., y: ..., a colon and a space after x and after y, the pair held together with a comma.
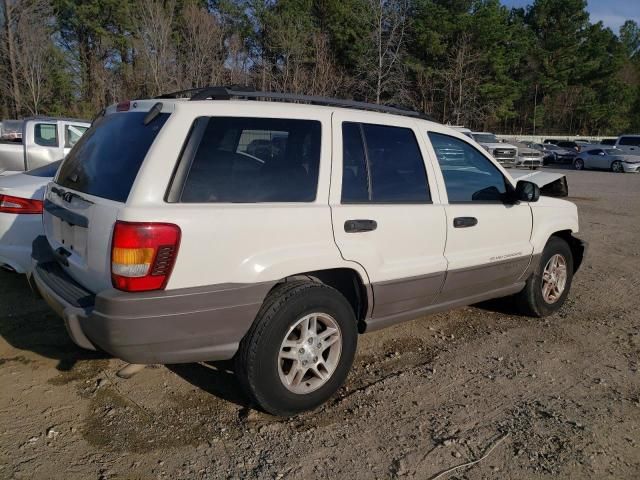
x: 460, y: 85
x: 33, y: 48
x: 155, y: 46
x: 10, y: 7
x: 381, y: 68
x: 325, y: 77
x: 203, y: 52
x: 289, y: 44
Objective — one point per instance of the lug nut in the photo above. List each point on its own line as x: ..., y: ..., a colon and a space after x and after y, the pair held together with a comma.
x: 301, y: 350
x: 304, y: 363
x: 310, y: 340
x: 315, y: 359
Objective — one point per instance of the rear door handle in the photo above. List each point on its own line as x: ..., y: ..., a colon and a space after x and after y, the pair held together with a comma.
x: 465, y: 222
x: 355, y: 226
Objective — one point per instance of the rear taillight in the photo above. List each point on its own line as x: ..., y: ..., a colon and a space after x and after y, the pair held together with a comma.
x: 143, y: 254
x: 10, y: 204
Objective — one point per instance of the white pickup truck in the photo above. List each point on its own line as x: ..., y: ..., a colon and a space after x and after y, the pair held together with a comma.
x: 43, y: 140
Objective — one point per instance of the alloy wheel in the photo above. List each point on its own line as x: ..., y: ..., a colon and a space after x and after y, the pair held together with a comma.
x: 554, y: 278
x: 310, y: 353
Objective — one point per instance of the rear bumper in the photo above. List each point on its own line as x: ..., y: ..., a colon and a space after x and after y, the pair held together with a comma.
x: 169, y: 326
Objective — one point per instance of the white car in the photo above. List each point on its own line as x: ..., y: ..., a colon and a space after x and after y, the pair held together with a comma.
x: 503, y: 152
x: 21, y: 197
x: 167, y: 243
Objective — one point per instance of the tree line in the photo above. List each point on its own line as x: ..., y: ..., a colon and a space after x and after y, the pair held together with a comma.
x: 544, y: 68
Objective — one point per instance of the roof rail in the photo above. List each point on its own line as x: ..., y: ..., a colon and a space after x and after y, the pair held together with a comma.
x: 243, y: 92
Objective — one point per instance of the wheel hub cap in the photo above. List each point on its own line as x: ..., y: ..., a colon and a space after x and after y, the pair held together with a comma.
x: 554, y: 278
x: 309, y: 353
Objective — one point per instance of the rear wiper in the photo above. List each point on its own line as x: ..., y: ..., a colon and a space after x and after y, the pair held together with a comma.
x: 68, y: 196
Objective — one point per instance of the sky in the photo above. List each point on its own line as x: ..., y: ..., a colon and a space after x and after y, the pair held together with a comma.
x: 612, y: 13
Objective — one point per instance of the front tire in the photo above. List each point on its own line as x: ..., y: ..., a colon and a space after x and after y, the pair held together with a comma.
x: 548, y: 286
x: 299, y: 349
x: 617, y: 167
x: 578, y: 164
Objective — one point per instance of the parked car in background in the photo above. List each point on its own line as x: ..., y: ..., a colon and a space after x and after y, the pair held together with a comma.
x: 551, y: 141
x: 527, y: 156
x: 628, y: 143
x: 464, y: 131
x: 150, y: 248
x: 11, y: 130
x: 552, y: 153
x: 21, y: 204
x: 504, y: 153
x: 608, y: 141
x: 571, y: 145
x: 608, y: 159
x: 43, y: 140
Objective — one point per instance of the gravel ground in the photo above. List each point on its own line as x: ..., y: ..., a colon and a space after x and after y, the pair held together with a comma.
x: 560, y: 395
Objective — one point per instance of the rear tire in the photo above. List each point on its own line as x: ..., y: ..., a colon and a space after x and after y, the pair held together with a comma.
x: 280, y: 366
x: 537, y: 299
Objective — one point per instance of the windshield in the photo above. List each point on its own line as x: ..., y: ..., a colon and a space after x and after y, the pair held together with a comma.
x: 485, y: 138
x: 551, y: 146
x: 106, y: 159
x: 47, y: 171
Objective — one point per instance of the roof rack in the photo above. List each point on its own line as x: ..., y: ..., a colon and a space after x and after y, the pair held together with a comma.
x: 237, y: 91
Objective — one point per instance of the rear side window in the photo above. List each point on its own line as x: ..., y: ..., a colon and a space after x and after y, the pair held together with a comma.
x: 46, y: 134
x: 106, y: 159
x: 382, y: 164
x: 630, y: 141
x: 253, y: 160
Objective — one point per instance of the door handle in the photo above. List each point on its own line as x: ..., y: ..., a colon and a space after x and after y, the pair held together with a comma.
x: 355, y: 226
x: 464, y: 222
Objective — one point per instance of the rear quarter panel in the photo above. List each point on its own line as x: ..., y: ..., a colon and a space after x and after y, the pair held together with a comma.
x: 238, y: 243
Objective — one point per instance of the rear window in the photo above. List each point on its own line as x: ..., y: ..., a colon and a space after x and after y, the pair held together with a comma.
x: 106, y: 159
x: 253, y: 160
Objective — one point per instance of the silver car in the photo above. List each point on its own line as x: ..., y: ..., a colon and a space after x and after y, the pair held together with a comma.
x: 528, y: 157
x: 607, y: 159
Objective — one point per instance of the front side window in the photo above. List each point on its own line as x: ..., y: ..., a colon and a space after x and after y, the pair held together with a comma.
x: 46, y: 134
x: 469, y: 176
x: 254, y: 160
x: 72, y: 134
x: 382, y: 164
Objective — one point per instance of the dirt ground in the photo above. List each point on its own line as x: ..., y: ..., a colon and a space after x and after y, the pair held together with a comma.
x: 562, y: 396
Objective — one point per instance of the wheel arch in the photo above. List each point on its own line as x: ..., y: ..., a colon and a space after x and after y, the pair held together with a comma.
x: 347, y: 281
x: 577, y: 246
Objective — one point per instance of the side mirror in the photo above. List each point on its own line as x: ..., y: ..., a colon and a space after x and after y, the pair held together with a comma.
x: 527, y: 191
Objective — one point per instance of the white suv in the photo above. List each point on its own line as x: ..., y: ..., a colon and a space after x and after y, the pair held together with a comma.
x: 275, y: 232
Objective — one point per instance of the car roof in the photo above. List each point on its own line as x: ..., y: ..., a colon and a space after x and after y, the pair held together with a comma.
x: 272, y: 108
